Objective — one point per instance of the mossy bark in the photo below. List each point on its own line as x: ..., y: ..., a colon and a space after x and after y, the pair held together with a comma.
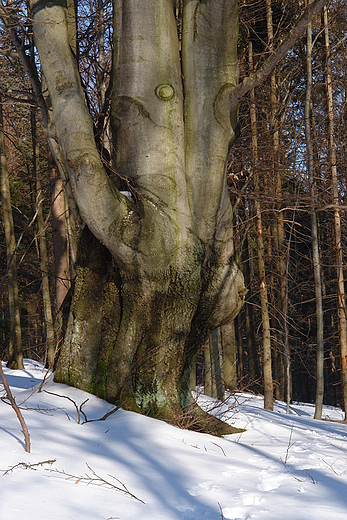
x: 156, y: 274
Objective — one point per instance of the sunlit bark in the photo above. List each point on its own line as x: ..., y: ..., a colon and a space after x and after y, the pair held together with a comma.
x: 59, y: 211
x: 172, y: 277
x: 341, y: 297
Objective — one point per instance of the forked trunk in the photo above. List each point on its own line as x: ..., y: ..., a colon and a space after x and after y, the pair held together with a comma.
x: 156, y: 271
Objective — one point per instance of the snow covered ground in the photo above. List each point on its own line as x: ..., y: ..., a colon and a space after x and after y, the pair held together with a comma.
x: 281, y: 467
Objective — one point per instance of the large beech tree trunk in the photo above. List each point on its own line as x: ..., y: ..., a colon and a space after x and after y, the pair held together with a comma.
x: 156, y: 274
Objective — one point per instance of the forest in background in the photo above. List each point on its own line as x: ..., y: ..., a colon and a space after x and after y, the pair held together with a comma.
x: 287, y: 183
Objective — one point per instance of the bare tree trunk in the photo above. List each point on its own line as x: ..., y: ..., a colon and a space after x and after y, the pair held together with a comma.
x: 279, y: 216
x: 16, y: 409
x: 267, y: 371
x: 104, y: 125
x: 208, y: 387
x: 217, y: 361
x: 314, y: 231
x: 229, y: 347
x: 275, y: 319
x: 15, y: 354
x: 46, y: 298
x: 286, y: 331
x: 341, y: 297
x: 251, y: 344
x: 72, y: 27
x: 240, y: 351
x: 166, y: 275
x: 268, y: 384
x: 61, y: 265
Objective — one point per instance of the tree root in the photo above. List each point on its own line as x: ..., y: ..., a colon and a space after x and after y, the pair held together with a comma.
x: 197, y: 420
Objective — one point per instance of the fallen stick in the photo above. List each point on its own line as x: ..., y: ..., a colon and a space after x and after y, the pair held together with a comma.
x: 16, y: 409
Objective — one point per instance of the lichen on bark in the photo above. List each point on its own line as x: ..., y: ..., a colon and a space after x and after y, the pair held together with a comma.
x: 157, y: 274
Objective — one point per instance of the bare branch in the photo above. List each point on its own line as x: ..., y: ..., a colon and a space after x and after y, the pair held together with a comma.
x: 16, y: 409
x: 18, y: 243
x: 257, y: 78
x: 96, y: 479
x: 26, y: 465
x: 80, y: 411
x: 31, y: 71
x: 71, y: 401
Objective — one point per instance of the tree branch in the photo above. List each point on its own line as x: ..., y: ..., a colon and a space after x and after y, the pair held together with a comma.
x: 257, y: 78
x: 31, y: 71
x: 18, y: 244
x: 16, y: 409
x: 100, y: 205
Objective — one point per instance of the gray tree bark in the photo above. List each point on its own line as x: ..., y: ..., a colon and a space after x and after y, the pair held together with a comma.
x: 251, y: 344
x: 279, y: 215
x: 156, y: 274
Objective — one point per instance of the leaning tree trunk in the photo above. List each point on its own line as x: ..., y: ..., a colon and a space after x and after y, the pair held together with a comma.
x: 156, y: 272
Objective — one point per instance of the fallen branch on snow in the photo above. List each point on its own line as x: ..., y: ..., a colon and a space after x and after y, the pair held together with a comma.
x: 96, y: 479
x: 80, y: 411
x: 16, y: 409
x: 27, y: 465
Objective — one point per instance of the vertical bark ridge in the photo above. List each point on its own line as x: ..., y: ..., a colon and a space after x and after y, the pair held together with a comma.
x: 209, y: 56
x: 104, y: 210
